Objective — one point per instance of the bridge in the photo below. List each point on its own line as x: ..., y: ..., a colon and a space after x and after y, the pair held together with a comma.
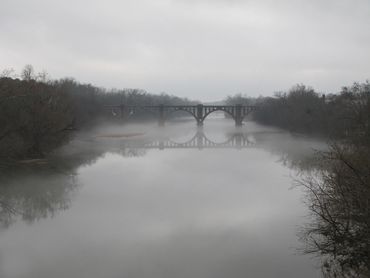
x: 198, y: 141
x: 199, y: 112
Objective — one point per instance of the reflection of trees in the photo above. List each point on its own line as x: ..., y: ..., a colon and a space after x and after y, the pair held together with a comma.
x: 32, y: 198
x: 337, y: 182
x: 39, y: 189
x: 294, y: 152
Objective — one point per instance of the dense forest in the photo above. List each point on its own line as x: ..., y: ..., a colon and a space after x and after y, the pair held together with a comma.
x: 303, y: 110
x: 338, y: 189
x: 37, y: 115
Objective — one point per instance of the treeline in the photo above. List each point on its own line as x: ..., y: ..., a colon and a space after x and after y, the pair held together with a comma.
x: 37, y: 115
x: 303, y: 110
x: 338, y: 189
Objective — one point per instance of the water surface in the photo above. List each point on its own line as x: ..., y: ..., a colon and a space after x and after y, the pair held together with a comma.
x: 138, y: 201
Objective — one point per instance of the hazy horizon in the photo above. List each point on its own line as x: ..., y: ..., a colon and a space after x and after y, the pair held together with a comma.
x: 199, y: 49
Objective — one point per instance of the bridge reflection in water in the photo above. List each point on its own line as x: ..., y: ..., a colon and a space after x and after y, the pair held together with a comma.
x: 237, y: 140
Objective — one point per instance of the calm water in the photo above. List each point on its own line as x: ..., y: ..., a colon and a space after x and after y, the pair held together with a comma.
x: 138, y: 201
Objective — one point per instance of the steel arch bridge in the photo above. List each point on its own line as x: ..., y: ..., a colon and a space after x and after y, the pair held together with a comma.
x: 200, y: 112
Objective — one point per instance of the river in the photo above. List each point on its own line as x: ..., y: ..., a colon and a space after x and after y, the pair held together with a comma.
x: 140, y: 201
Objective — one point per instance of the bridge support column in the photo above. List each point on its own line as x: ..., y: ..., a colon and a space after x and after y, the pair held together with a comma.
x: 238, y: 115
x: 200, y: 114
x: 161, y: 115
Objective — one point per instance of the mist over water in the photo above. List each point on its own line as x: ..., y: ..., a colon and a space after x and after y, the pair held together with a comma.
x: 141, y: 201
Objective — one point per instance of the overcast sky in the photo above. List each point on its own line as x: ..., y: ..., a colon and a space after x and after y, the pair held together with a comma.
x: 201, y: 49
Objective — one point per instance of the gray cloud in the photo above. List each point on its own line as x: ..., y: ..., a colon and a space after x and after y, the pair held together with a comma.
x: 197, y: 48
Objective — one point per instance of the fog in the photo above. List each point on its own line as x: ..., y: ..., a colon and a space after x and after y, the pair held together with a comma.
x: 123, y: 207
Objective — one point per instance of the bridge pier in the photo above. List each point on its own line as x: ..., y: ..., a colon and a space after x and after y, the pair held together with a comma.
x: 200, y: 115
x: 161, y: 118
x: 238, y: 115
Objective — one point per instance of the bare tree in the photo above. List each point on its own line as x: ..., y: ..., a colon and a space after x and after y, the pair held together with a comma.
x: 28, y: 73
x: 7, y: 73
x: 339, y: 199
x: 43, y: 76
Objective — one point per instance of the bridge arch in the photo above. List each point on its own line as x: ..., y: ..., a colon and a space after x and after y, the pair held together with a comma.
x: 218, y: 109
